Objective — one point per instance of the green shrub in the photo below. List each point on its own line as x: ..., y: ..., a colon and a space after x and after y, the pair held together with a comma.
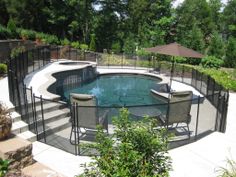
x: 230, y: 170
x: 3, y: 167
x: 230, y: 54
x: 135, y: 149
x: 83, y: 46
x: 116, y: 47
x: 92, y: 45
x: 142, y: 53
x: 221, y: 77
x: 65, y: 42
x: 180, y: 59
x: 75, y: 45
x: 16, y: 51
x: 39, y: 35
x: 50, y: 39
x: 12, y: 27
x: 3, y: 68
x: 24, y: 34
x: 211, y: 62
x: 5, y: 33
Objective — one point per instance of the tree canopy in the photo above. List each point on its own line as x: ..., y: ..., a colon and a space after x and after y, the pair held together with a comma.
x: 125, y: 25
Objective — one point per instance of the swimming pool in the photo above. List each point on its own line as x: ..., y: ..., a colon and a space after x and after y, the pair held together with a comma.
x: 117, y: 90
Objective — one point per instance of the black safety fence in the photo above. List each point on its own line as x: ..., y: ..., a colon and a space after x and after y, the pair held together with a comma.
x: 18, y: 67
x: 56, y: 122
x: 61, y: 124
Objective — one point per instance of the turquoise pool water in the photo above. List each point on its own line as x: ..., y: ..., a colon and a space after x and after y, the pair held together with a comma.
x: 119, y: 90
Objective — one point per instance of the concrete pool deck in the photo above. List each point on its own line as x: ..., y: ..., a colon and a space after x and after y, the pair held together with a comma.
x: 201, y: 158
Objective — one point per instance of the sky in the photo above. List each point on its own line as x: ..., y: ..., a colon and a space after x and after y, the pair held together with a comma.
x: 175, y: 4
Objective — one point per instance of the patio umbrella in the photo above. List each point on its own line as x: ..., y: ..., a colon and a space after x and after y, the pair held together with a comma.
x: 175, y: 49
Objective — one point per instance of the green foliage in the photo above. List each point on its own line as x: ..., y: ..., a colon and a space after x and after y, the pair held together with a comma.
x: 15, y: 52
x: 211, y: 62
x: 229, y: 171
x: 3, y: 167
x: 230, y: 56
x: 51, y: 39
x: 83, y: 46
x: 75, y: 45
x: 129, y: 45
x: 12, y: 27
x: 65, y: 42
x: 24, y: 34
x: 5, y: 33
x: 136, y: 149
x: 116, y: 47
x: 3, y: 68
x: 180, y: 59
x: 216, y: 47
x: 92, y: 45
x: 142, y: 52
x: 221, y: 77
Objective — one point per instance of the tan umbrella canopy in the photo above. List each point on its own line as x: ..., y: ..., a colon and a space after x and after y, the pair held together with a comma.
x: 175, y: 49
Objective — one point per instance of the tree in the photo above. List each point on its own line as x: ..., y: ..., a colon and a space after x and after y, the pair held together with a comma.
x: 216, y: 46
x: 27, y: 13
x: 194, y: 13
x: 230, y: 57
x: 229, y: 19
x: 135, y: 149
x: 4, y: 16
x: 92, y: 45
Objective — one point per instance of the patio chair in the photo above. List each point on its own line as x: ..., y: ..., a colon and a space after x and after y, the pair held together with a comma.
x: 178, y: 112
x: 85, y: 116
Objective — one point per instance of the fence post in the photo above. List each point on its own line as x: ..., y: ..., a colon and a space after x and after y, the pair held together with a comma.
x: 35, y: 123
x: 197, y: 119
x: 217, y: 112
x: 42, y: 113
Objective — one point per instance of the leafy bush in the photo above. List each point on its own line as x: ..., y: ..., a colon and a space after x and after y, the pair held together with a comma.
x: 142, y: 53
x: 5, y: 33
x: 12, y: 27
x: 65, y: 42
x: 180, y: 59
x: 230, y: 54
x: 50, y: 39
x: 75, y: 45
x: 3, y: 167
x: 221, y: 77
x: 116, y: 47
x: 211, y: 62
x: 92, y: 45
x: 3, y: 68
x: 230, y: 171
x: 83, y: 46
x: 24, y: 34
x: 135, y: 149
x: 16, y: 51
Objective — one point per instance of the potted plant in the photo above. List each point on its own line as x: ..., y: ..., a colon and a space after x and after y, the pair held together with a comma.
x: 5, y: 122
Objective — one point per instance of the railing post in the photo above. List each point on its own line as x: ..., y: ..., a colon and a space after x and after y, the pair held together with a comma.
x: 34, y: 111
x: 42, y: 113
x: 197, y: 119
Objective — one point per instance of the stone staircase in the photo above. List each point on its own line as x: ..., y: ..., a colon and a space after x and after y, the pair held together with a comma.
x: 56, y: 118
x: 21, y: 163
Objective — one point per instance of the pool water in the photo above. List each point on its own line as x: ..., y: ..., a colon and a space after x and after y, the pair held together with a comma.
x: 119, y: 90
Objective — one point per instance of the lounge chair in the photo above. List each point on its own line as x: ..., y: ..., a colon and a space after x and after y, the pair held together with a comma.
x: 178, y: 111
x: 85, y: 116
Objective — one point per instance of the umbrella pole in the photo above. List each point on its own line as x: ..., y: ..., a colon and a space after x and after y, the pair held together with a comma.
x: 171, y: 72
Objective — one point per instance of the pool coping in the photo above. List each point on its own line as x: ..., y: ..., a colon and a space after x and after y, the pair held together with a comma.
x: 49, y: 79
